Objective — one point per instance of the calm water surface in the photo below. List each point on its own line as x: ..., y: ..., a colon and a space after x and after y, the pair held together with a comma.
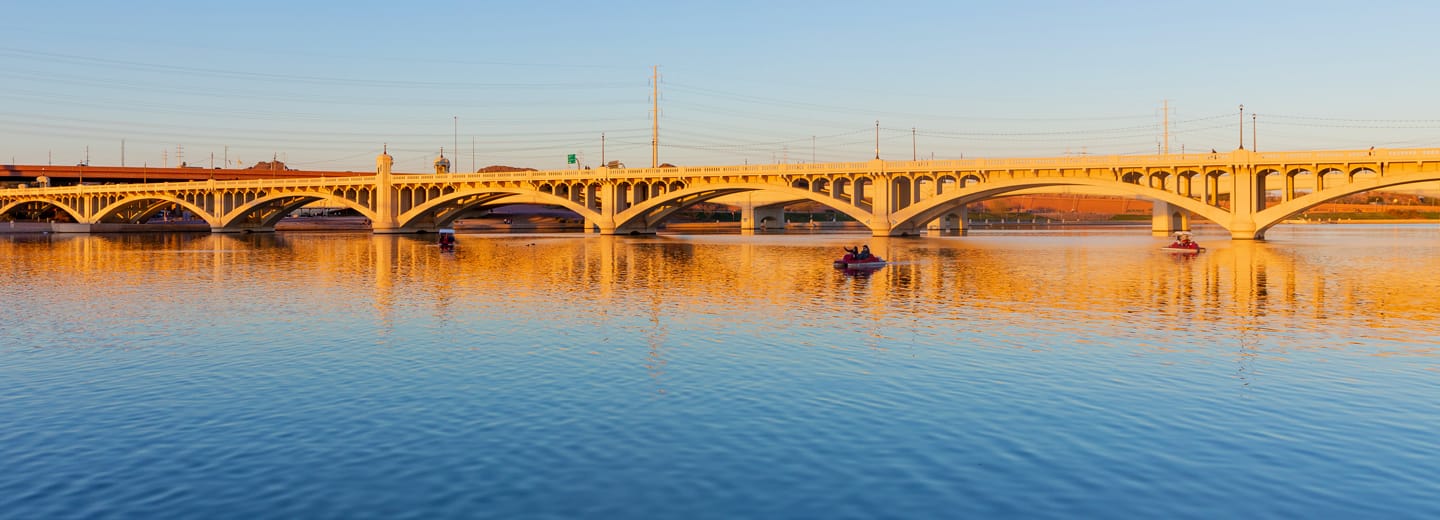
x: 1058, y: 374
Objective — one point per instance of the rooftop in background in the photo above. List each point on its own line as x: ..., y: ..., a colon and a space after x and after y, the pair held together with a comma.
x: 25, y: 172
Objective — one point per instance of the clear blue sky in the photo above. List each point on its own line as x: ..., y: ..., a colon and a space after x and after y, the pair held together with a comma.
x: 323, y: 85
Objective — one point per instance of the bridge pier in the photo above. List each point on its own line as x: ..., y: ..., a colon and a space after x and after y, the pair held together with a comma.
x: 1166, y: 219
x: 762, y: 218
x: 73, y: 227
x: 1245, y: 230
x: 949, y: 223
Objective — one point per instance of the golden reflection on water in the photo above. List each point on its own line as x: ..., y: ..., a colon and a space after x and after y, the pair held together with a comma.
x: 1122, y: 283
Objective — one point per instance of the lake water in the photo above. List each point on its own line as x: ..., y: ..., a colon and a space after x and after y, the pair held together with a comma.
x: 1064, y: 374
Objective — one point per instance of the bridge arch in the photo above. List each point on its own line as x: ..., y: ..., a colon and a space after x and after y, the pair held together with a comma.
x: 1279, y: 213
x: 1185, y: 183
x: 1213, y: 197
x: 911, y: 220
x: 1362, y: 172
x: 263, y: 212
x: 443, y: 211
x: 58, y: 205
x: 136, y: 209
x: 645, y: 216
x: 1159, y: 180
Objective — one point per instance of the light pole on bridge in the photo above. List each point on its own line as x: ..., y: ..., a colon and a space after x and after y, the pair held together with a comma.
x: 877, y: 138
x: 1242, y: 127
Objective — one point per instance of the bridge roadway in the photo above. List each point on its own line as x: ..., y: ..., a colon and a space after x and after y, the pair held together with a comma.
x: 891, y: 198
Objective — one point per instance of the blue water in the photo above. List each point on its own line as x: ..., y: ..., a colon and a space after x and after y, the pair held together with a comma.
x: 1034, y: 374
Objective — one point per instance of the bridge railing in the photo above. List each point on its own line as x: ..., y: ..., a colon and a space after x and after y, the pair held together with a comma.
x: 1174, y: 161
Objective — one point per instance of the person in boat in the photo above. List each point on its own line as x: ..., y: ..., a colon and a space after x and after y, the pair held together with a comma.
x: 864, y: 253
x: 1183, y: 241
x: 447, y: 241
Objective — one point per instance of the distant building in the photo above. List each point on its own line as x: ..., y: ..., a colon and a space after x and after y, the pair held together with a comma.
x: 501, y: 169
x: 269, y: 165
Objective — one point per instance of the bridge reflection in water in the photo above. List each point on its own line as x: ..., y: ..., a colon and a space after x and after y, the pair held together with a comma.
x: 1298, y: 288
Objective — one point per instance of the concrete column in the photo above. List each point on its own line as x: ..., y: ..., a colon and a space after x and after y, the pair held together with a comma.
x: 386, y: 220
x: 1244, y: 199
x: 882, y: 200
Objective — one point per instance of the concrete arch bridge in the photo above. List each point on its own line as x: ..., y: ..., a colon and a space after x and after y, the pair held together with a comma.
x: 1241, y: 191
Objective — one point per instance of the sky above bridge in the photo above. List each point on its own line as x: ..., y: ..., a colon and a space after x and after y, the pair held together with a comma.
x: 325, y: 85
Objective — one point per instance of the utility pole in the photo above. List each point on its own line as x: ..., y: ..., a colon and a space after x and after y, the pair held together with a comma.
x: 1165, y: 123
x: 87, y: 155
x: 227, y: 157
x: 655, y: 113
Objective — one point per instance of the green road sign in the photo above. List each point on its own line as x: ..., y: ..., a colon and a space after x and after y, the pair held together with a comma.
x: 570, y: 159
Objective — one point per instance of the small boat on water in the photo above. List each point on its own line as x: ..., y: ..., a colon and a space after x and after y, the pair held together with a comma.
x: 1169, y: 249
x: 850, y: 262
x: 447, y: 240
x: 1183, y: 244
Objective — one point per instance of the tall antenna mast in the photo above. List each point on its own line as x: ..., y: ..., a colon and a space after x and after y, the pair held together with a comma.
x: 1165, y: 122
x: 655, y: 113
